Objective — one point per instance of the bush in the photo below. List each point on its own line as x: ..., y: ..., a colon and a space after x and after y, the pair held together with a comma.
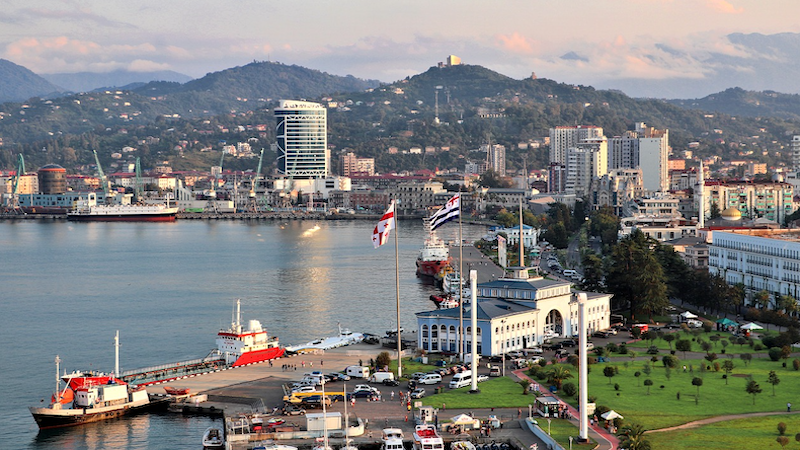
x: 612, y: 348
x: 796, y: 364
x: 716, y: 366
x: 756, y: 347
x: 622, y: 349
x: 774, y: 353
x: 670, y: 361
x: 781, y: 428
x: 569, y: 389
x: 616, y: 386
x: 653, y: 350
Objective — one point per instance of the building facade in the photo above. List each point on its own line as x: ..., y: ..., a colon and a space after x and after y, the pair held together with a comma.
x: 754, y: 199
x: 564, y: 138
x: 302, y: 139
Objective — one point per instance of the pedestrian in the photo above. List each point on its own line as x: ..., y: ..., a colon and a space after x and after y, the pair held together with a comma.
x: 788, y: 407
x: 392, y: 396
x: 321, y: 363
x: 519, y: 413
x: 444, y: 406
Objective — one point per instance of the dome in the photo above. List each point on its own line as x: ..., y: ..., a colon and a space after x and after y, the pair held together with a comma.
x: 53, y: 167
x: 731, y: 214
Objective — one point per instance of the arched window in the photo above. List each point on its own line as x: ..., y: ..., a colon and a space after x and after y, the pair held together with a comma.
x: 424, y: 331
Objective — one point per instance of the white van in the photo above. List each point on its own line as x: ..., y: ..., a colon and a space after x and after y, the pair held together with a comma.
x: 461, y: 379
x: 379, y: 377
x: 431, y: 378
x: 357, y: 371
x: 570, y: 273
x: 314, y: 377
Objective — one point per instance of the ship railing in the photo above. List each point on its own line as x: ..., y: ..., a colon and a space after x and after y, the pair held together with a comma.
x: 163, y: 367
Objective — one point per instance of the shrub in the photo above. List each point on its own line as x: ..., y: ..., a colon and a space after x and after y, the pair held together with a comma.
x: 569, y: 389
x: 653, y: 350
x: 612, y: 348
x: 711, y: 357
x: 654, y: 359
x: 757, y: 347
x: 716, y: 366
x: 616, y: 386
x: 796, y: 364
x: 622, y: 349
x: 670, y: 361
x: 781, y: 428
x: 774, y: 353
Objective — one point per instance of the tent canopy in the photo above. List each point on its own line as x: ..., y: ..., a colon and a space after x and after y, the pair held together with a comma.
x: 688, y: 315
x: 463, y: 419
x: 752, y: 326
x: 611, y: 415
x: 727, y: 322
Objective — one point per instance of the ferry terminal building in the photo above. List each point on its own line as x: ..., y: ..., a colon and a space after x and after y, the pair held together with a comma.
x: 513, y: 314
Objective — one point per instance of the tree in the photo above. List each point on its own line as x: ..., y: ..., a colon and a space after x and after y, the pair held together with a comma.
x: 558, y: 374
x: 753, y: 389
x: 383, y: 359
x: 668, y: 338
x: 648, y: 382
x: 774, y: 380
x: 697, y: 381
x: 683, y: 345
x: 783, y: 440
x: 635, y: 276
x: 525, y: 383
x: 637, y: 374
x: 632, y: 437
x: 746, y: 357
x: 727, y: 366
x: 609, y: 372
x: 592, y: 273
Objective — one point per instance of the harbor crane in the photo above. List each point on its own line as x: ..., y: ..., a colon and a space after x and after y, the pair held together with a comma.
x: 254, y: 185
x: 103, y: 179
x: 212, y: 192
x: 12, y: 206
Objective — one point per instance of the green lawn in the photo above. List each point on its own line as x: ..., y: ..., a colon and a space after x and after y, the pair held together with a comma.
x: 561, y: 430
x: 753, y: 433
x: 662, y: 408
x: 641, y: 346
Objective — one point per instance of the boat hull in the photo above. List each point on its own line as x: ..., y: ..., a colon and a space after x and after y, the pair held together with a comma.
x: 258, y: 356
x: 122, y: 217
x: 47, y: 418
x: 431, y: 268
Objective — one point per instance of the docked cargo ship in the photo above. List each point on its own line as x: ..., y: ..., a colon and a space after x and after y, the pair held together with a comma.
x: 89, y: 211
x: 434, y: 256
x: 238, y: 346
x: 91, y: 397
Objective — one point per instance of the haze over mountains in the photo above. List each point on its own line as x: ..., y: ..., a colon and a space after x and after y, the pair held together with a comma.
x: 88, y: 81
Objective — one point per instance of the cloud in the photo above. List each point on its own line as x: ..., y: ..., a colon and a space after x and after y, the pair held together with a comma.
x: 141, y: 65
x: 515, y: 43
x: 724, y: 7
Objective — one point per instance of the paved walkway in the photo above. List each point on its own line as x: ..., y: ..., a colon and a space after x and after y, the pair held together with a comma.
x: 701, y: 422
x: 604, y: 439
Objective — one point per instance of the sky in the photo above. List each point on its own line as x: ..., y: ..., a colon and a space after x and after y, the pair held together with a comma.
x: 591, y: 42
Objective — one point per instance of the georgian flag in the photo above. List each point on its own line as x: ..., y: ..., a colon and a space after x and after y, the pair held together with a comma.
x: 446, y: 213
x: 381, y: 233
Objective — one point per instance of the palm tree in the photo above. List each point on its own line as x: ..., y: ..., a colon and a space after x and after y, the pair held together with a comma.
x: 632, y: 437
x: 558, y: 374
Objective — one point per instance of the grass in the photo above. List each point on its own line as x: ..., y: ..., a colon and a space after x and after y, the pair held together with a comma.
x: 662, y: 408
x: 561, y: 430
x: 643, y: 345
x: 754, y: 433
x: 500, y: 392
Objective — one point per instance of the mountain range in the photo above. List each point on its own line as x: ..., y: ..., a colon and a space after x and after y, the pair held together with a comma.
x: 89, y: 81
x: 18, y: 83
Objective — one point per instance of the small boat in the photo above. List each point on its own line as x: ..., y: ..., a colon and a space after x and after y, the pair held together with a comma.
x: 462, y: 445
x: 392, y: 439
x: 175, y: 391
x: 448, y: 303
x: 212, y: 438
x: 269, y: 445
x: 426, y: 438
x: 345, y: 337
x: 438, y: 298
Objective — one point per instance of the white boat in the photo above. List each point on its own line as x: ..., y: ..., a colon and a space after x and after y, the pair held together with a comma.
x: 448, y: 303
x: 392, y: 439
x: 212, y: 438
x: 89, y: 211
x: 462, y: 445
x: 273, y: 446
x: 450, y: 282
x: 426, y: 438
x: 345, y: 337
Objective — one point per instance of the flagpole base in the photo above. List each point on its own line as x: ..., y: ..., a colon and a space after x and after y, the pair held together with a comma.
x: 474, y: 391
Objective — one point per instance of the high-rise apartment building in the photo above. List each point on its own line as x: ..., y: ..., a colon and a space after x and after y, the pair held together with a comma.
x: 796, y: 153
x: 586, y: 161
x: 302, y: 139
x: 564, y: 138
x: 496, y: 155
x: 646, y: 148
x: 353, y: 165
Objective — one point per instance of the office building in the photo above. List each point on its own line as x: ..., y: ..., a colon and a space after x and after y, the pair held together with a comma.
x: 302, y: 140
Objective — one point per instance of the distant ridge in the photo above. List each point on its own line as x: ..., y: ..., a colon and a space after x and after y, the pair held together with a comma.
x: 739, y: 102
x: 89, y: 81
x: 19, y: 84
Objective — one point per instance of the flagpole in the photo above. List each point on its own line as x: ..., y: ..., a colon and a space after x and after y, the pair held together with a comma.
x: 521, y: 245
x: 460, y: 285
x: 397, y: 291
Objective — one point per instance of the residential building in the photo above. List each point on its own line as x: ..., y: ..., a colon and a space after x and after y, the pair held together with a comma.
x: 302, y: 139
x: 496, y: 157
x: 564, y: 138
x: 796, y: 153
x: 753, y: 199
x: 617, y: 188
x: 646, y: 148
x: 585, y: 162
x: 557, y: 177
x: 351, y: 165
x: 415, y: 196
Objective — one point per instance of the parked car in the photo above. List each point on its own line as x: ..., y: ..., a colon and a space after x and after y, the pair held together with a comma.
x: 315, y: 401
x: 535, y: 360
x: 364, y: 387
x: 300, y: 389
x: 569, y: 343
x: 418, y: 393
x: 293, y: 410
x: 536, y: 350
x: 362, y: 394
x: 338, y: 376
x: 482, y: 378
x: 390, y: 382
x: 417, y: 375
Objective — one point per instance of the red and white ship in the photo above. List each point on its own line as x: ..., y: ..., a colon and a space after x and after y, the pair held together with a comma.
x: 426, y: 438
x: 434, y: 256
x: 91, y: 397
x: 239, y: 347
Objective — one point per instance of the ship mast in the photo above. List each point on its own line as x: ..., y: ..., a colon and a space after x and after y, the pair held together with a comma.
x: 58, y: 381
x: 116, y: 355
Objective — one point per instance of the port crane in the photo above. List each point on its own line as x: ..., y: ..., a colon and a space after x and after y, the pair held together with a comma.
x: 103, y: 179
x: 13, y: 201
x: 212, y: 193
x: 254, y: 185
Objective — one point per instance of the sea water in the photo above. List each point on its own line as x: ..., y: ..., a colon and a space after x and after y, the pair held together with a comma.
x: 66, y: 288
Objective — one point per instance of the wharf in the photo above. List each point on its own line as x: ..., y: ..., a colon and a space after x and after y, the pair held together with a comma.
x: 258, y: 388
x: 474, y: 259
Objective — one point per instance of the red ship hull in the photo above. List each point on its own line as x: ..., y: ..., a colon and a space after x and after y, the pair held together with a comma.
x: 431, y: 268
x: 259, y: 356
x: 124, y: 218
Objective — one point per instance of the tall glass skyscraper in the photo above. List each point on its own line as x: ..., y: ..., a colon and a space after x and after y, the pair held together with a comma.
x: 302, y: 139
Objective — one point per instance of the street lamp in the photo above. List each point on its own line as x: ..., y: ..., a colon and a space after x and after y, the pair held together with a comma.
x: 548, y: 424
x: 503, y: 344
x: 530, y: 409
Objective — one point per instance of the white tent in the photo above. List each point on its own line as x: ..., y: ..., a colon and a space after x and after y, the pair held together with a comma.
x: 688, y: 315
x: 611, y: 415
x: 752, y: 326
x: 463, y: 419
